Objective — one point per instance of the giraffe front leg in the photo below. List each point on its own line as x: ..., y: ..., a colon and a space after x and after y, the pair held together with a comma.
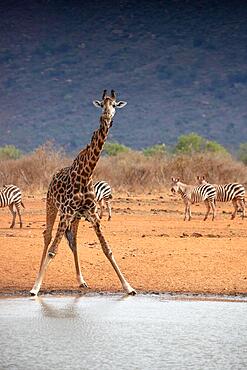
x: 47, y: 257
x: 71, y: 236
x: 108, y: 253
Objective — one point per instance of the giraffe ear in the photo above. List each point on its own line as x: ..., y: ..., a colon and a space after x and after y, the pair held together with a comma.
x: 97, y: 103
x: 120, y: 104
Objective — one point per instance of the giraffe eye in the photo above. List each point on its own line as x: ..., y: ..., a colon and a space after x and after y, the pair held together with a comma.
x: 114, y: 105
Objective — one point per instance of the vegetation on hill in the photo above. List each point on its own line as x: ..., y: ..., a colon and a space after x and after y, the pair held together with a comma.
x: 181, y: 66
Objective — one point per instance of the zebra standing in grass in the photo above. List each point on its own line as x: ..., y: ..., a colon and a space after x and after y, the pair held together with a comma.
x: 232, y: 191
x: 195, y: 194
x: 103, y: 194
x: 10, y: 195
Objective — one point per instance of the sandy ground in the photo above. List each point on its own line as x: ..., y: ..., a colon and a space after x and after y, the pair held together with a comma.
x: 156, y: 250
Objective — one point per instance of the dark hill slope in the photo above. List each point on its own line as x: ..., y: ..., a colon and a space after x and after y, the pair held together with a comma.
x: 181, y: 65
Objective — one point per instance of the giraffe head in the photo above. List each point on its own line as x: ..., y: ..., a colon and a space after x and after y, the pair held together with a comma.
x: 108, y: 104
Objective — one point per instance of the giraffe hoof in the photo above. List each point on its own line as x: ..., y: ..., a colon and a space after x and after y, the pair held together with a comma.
x: 83, y: 285
x: 51, y: 254
x: 33, y: 293
x: 130, y: 290
x: 133, y: 292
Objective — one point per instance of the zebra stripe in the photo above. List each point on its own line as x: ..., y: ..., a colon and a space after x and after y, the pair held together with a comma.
x: 199, y: 193
x: 10, y: 194
x: 227, y: 192
x: 102, y: 190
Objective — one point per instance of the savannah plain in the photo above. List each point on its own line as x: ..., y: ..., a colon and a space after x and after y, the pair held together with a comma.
x: 156, y: 250
x: 154, y: 247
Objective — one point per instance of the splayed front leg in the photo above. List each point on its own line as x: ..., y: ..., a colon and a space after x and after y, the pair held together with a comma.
x: 107, y: 251
x: 47, y: 257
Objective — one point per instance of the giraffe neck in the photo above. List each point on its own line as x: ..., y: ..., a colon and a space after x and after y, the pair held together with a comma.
x: 85, y: 163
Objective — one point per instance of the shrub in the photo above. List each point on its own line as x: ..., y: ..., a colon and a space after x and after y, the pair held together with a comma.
x: 112, y: 149
x: 194, y: 143
x: 9, y: 152
x: 242, y: 153
x: 158, y: 149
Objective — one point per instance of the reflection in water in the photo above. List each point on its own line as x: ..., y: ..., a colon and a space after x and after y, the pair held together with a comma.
x: 69, y: 310
x: 125, y: 332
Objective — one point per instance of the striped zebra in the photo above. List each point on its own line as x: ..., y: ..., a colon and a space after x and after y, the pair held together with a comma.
x: 10, y: 195
x: 234, y: 192
x: 195, y: 194
x: 103, y: 194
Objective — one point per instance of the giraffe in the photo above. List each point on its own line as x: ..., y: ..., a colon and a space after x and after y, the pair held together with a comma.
x: 71, y: 195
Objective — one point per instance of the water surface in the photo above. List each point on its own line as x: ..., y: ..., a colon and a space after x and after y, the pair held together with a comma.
x: 116, y: 332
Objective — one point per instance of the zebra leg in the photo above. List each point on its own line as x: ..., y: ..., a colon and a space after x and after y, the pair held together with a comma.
x: 213, y: 207
x: 49, y: 256
x: 189, y: 211
x: 11, y: 208
x: 242, y: 207
x: 108, y: 207
x: 71, y: 236
x: 17, y: 206
x: 94, y: 219
x: 208, y: 209
x: 101, y: 205
x: 235, y: 205
x: 186, y: 210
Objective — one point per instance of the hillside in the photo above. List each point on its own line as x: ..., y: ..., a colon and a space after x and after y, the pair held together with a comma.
x: 181, y: 65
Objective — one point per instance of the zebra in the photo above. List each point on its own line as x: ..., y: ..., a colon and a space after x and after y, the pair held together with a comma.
x: 195, y: 194
x: 226, y: 192
x: 10, y: 195
x: 103, y: 194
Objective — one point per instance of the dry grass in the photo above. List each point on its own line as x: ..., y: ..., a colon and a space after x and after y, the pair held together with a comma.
x: 132, y: 171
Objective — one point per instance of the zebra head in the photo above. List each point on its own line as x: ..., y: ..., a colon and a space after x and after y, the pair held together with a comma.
x: 201, y: 180
x: 109, y: 104
x: 175, y: 185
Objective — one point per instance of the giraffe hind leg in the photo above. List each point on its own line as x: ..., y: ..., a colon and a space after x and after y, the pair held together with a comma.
x: 71, y: 236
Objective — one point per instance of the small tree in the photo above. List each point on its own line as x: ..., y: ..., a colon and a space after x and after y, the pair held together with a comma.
x: 9, y: 152
x: 158, y: 149
x: 194, y: 143
x: 242, y: 153
x: 113, y: 149
x: 214, y: 147
x: 187, y: 144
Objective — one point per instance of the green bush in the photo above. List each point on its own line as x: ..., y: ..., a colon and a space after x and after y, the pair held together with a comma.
x: 242, y: 153
x: 9, y: 152
x: 112, y: 149
x: 157, y: 149
x: 194, y: 143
